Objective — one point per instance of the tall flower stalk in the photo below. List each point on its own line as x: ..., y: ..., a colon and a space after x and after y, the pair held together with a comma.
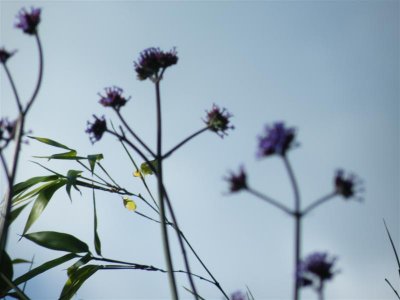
x: 278, y: 140
x: 28, y: 22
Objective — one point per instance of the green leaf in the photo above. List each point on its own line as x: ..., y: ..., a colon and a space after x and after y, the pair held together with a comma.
x: 57, y: 241
x: 50, y: 142
x: 15, y: 212
x: 83, y: 261
x: 41, y: 202
x: 6, y: 268
x: 97, y: 242
x: 43, y: 268
x: 18, y: 294
x: 20, y: 261
x: 72, y: 176
x: 76, y: 280
x: 93, y: 159
x: 22, y: 186
x: 66, y: 155
x: 146, y: 169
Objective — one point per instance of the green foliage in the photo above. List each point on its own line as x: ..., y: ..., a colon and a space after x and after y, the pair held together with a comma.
x: 146, y: 169
x: 6, y: 268
x: 76, y: 279
x: 58, y: 241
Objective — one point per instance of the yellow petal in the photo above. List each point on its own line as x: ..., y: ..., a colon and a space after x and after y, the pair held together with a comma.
x: 129, y: 204
x: 137, y: 173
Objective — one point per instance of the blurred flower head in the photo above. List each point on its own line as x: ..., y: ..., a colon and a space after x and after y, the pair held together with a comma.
x: 217, y: 120
x: 152, y: 60
x: 238, y: 296
x: 316, y: 268
x: 5, y: 55
x: 237, y: 181
x: 28, y: 21
x: 96, y: 129
x: 7, y: 129
x: 347, y: 185
x: 277, y: 140
x: 113, y: 98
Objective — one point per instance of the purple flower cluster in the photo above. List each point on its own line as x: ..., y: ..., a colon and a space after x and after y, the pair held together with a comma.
x: 217, y: 120
x: 5, y: 55
x: 152, y: 60
x: 7, y: 129
x: 28, y: 21
x: 345, y: 185
x: 277, y: 140
x: 238, y: 296
x: 96, y: 129
x: 113, y: 98
x: 316, y: 269
x: 238, y: 181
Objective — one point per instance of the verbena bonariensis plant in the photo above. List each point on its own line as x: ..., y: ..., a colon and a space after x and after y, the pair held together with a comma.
x: 397, y: 260
x: 151, y: 65
x: 317, y: 268
x: 11, y: 139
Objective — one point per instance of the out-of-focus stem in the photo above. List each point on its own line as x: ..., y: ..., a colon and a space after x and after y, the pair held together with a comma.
x: 184, y: 142
x: 297, y: 215
x: 270, y: 201
x: 318, y: 202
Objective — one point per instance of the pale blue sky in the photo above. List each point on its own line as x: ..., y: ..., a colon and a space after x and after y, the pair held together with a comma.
x: 329, y: 68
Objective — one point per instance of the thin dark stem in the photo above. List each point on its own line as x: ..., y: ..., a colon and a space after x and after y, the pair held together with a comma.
x: 141, y: 177
x: 11, y: 80
x: 88, y: 169
x: 270, y: 201
x: 5, y: 166
x: 109, y: 176
x: 318, y: 202
x: 297, y: 226
x: 133, y: 133
x: 40, y: 76
x: 394, y: 290
x: 182, y: 246
x: 164, y: 231
x: 392, y: 243
x: 30, y: 268
x: 185, y: 141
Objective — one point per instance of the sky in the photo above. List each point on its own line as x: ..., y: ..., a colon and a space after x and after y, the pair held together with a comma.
x: 328, y: 68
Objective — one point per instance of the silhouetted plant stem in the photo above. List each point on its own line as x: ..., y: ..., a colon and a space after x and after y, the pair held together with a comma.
x: 14, y: 88
x: 185, y: 141
x: 297, y: 215
x: 270, y: 201
x: 164, y: 231
x: 394, y: 290
x: 133, y: 133
x: 318, y: 202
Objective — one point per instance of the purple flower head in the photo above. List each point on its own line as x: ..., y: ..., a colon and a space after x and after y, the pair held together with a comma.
x: 316, y: 268
x: 238, y: 296
x: 113, y: 98
x: 238, y: 181
x: 96, y: 129
x: 28, y: 21
x: 152, y: 60
x: 277, y: 140
x: 7, y: 129
x: 217, y: 120
x: 346, y: 185
x: 5, y: 55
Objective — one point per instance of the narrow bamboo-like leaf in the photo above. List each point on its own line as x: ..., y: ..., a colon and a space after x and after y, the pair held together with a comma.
x: 72, y: 176
x: 16, y: 211
x: 249, y: 294
x: 82, y: 261
x: 44, y: 267
x: 41, y: 202
x: 50, y: 142
x: 76, y: 280
x: 20, y: 261
x: 58, y: 241
x: 129, y: 203
x: 97, y: 242
x: 65, y: 155
x: 33, y: 193
x: 93, y: 159
x: 146, y: 169
x: 24, y: 185
x: 6, y: 268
